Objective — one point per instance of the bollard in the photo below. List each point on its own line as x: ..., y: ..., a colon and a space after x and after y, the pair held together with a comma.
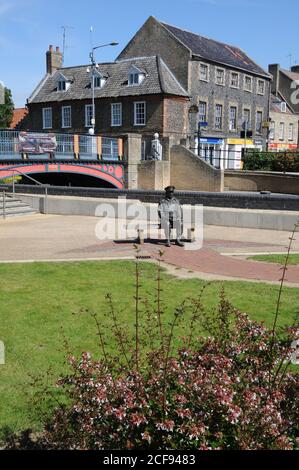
x: 140, y: 236
x: 46, y: 201
x: 191, y: 234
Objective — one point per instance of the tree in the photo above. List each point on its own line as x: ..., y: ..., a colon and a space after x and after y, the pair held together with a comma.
x: 6, y: 109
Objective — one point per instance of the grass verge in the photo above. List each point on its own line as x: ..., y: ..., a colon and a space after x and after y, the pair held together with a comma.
x: 41, y: 303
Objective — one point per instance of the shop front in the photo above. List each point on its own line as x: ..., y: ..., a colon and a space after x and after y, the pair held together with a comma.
x: 211, y: 150
x: 233, y: 152
x: 282, y: 147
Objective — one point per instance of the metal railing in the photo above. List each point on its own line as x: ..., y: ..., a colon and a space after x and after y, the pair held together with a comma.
x: 3, y: 197
x: 221, y: 159
x: 69, y: 146
x: 9, y: 142
x: 65, y: 144
x: 109, y: 148
x: 45, y: 211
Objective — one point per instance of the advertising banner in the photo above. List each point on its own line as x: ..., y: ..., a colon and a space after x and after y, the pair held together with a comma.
x: 37, y: 143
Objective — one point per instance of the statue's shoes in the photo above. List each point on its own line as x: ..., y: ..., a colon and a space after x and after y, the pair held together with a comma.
x: 179, y: 243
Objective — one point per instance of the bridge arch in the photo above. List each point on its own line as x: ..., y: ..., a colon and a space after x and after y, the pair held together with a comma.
x: 111, y: 173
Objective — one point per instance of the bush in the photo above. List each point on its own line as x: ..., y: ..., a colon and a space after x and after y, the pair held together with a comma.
x: 270, y: 161
x: 228, y: 389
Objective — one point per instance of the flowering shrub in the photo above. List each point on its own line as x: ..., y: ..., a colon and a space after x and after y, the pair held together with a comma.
x: 230, y: 391
x: 271, y: 161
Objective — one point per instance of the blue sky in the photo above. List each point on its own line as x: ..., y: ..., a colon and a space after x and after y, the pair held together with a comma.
x: 266, y: 29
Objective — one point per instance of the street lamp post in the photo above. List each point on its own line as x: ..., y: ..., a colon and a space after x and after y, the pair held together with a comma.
x: 93, y: 68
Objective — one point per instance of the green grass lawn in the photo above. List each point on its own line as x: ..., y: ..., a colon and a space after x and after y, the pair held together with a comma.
x: 40, y: 304
x: 280, y: 259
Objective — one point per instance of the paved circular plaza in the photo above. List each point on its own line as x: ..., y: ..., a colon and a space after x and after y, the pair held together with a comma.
x: 223, y: 255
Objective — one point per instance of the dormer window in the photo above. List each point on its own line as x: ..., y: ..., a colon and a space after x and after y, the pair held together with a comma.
x: 136, y: 76
x: 99, y: 81
x: 133, y: 79
x: 62, y: 83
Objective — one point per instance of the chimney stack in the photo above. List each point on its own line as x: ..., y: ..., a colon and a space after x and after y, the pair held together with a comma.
x: 274, y: 70
x: 53, y: 59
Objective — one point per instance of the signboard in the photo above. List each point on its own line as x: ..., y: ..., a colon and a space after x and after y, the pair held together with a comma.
x: 239, y: 141
x: 211, y: 140
x: 203, y: 124
x: 36, y: 143
x: 283, y: 146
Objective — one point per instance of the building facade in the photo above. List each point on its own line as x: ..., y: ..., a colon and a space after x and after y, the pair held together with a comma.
x: 285, y: 83
x: 284, y: 126
x: 227, y: 89
x: 139, y: 96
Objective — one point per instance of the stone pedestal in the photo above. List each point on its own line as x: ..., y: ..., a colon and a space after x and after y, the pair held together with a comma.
x: 154, y: 175
x: 133, y: 157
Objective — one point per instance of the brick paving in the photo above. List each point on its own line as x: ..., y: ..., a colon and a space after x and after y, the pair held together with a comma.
x: 74, y: 238
x: 210, y: 261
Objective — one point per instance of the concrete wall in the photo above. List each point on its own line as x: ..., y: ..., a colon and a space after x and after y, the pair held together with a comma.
x: 220, y: 216
x: 261, y: 181
x: 190, y: 173
x: 153, y: 175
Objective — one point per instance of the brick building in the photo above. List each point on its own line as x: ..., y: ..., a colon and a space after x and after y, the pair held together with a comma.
x: 226, y: 86
x: 285, y: 83
x: 284, y: 125
x: 139, y: 95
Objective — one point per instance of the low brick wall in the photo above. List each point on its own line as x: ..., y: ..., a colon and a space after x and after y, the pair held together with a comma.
x: 242, y: 200
x: 286, y: 183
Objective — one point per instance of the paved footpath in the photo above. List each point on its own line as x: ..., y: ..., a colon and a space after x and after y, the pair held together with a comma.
x: 223, y: 256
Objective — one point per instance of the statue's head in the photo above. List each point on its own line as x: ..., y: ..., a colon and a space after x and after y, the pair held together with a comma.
x: 169, y: 191
x: 156, y: 135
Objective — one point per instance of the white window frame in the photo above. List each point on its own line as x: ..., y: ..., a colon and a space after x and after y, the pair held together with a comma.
x: 222, y: 70
x: 115, y: 106
x: 132, y: 79
x: 233, y: 128
x: 61, y: 85
x: 98, y: 80
x: 291, y: 131
x: 244, y: 84
x: 205, y: 104
x: 87, y: 115
x: 136, y: 103
x: 230, y: 80
x: 249, y: 119
x: 135, y: 76
x: 50, y: 118
x: 281, y: 130
x: 260, y: 113
x: 258, y: 86
x: 63, y: 124
x: 217, y: 117
x: 272, y: 130
x: 208, y: 71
